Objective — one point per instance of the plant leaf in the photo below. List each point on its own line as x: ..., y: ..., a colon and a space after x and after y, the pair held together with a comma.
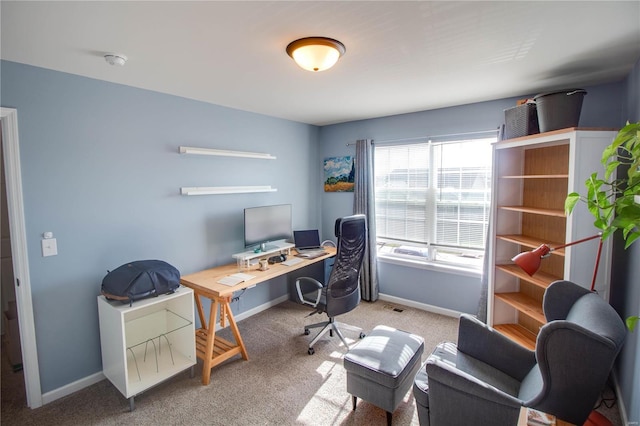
x: 631, y: 238
x: 570, y: 202
x: 631, y: 323
x: 612, y: 202
x: 610, y: 168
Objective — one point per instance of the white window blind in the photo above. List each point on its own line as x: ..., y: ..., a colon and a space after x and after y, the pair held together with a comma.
x: 433, y: 198
x: 402, y: 184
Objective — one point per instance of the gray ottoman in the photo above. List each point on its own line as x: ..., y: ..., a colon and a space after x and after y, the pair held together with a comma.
x: 382, y: 366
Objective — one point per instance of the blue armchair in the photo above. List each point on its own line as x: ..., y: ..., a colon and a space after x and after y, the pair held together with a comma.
x: 486, y: 378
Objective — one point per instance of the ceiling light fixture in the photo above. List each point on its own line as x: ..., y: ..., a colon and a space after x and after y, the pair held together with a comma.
x: 115, y: 59
x: 315, y: 53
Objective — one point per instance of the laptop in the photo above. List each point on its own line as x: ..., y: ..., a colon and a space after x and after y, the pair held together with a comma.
x: 307, y: 241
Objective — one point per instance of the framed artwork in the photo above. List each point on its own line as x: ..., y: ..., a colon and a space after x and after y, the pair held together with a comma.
x: 338, y: 174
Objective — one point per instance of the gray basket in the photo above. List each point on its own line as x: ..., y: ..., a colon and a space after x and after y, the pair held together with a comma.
x: 559, y: 109
x: 521, y: 120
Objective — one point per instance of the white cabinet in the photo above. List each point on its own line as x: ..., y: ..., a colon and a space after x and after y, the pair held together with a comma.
x: 531, y: 178
x: 148, y: 342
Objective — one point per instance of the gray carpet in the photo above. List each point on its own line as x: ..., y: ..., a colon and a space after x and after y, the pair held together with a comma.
x: 280, y: 384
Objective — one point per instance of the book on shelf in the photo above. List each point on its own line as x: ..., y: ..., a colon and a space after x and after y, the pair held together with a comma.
x: 538, y: 418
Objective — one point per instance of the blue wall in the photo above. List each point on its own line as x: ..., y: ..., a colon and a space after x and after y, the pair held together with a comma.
x: 602, y: 108
x: 101, y: 170
x: 625, y: 291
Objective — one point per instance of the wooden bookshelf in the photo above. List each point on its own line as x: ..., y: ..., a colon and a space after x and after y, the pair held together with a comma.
x: 519, y: 334
x: 532, y: 177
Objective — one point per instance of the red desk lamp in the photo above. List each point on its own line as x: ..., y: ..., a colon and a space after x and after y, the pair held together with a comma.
x: 530, y: 261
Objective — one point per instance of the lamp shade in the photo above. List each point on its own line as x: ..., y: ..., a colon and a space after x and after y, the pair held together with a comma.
x: 315, y: 53
x: 529, y: 261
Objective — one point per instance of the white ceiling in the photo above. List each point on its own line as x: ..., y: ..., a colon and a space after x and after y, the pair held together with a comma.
x: 401, y: 56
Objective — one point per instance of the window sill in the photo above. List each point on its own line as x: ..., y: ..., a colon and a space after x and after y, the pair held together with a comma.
x: 431, y: 266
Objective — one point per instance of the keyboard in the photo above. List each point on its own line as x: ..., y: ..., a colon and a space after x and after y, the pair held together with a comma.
x: 292, y: 261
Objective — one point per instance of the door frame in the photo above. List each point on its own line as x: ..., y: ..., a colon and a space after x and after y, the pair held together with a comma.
x: 17, y: 228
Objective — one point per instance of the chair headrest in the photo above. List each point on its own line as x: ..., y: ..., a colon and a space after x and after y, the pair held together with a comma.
x: 342, y: 222
x: 565, y: 301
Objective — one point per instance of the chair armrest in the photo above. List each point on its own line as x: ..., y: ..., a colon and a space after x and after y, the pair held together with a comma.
x: 444, y: 373
x: 482, y: 342
x: 313, y: 285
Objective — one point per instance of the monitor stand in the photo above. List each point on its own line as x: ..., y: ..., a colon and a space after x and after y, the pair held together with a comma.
x: 244, y: 259
x: 264, y: 247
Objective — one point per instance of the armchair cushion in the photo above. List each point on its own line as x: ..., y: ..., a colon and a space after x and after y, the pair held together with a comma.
x: 479, y: 341
x: 460, y: 371
x: 464, y: 391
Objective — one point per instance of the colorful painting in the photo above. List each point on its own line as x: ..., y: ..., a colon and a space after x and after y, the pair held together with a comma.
x: 338, y: 174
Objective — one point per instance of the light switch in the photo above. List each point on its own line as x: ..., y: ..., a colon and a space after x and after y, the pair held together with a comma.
x: 49, y: 247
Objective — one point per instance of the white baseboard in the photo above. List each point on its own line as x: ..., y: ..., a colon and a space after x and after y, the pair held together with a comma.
x: 263, y: 307
x: 97, y: 377
x: 422, y: 306
x: 72, y: 387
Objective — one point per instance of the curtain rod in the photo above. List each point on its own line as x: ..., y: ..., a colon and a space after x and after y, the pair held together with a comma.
x: 432, y: 137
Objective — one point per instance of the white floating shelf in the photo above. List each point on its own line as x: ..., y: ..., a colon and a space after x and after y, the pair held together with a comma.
x: 216, y: 190
x: 225, y: 153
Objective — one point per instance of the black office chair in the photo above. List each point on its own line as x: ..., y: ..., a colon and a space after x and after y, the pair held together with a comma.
x: 342, y: 292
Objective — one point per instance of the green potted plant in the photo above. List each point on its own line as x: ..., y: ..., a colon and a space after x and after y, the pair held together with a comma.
x: 615, y: 203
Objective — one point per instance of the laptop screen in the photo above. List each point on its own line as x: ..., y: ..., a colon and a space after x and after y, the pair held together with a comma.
x: 309, y: 238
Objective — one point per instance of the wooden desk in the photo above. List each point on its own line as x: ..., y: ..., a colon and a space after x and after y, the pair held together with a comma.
x: 213, y: 349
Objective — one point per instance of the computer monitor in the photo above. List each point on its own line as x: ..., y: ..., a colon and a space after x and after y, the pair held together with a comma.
x: 267, y: 224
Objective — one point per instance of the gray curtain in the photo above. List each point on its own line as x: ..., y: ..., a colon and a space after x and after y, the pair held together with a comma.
x: 364, y: 202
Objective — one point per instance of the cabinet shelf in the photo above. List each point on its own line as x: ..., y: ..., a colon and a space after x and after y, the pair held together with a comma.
x: 518, y: 334
x: 554, y: 176
x: 524, y: 304
x: 534, y: 210
x: 143, y: 373
x: 540, y: 279
x: 153, y: 326
x: 531, y: 242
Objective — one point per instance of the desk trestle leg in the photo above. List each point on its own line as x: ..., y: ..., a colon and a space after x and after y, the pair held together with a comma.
x: 213, y: 349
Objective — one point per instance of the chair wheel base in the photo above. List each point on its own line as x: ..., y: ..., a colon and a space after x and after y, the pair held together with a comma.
x: 311, y: 351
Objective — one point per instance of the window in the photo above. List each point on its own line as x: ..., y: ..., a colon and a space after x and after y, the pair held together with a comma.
x: 433, y: 200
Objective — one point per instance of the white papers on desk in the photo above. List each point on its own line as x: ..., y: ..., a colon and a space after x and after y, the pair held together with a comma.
x: 234, y: 279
